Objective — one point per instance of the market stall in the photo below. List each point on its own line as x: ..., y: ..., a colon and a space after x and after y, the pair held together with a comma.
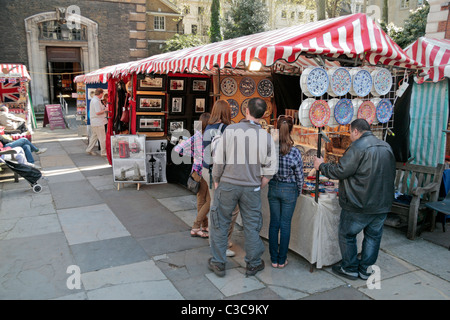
x: 14, y: 94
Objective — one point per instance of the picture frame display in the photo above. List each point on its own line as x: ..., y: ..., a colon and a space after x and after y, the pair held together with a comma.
x: 199, y: 85
x: 128, y: 158
x: 150, y: 123
x: 151, y: 82
x: 174, y: 125
x: 177, y: 85
x: 150, y: 103
x: 176, y: 105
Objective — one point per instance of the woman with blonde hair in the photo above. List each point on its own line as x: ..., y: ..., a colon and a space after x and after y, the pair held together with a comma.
x: 284, y: 189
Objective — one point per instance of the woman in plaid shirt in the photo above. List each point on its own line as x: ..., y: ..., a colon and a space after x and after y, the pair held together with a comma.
x: 284, y: 188
x: 194, y: 147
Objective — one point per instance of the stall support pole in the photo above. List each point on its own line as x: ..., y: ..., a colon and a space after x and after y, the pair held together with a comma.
x: 319, y: 147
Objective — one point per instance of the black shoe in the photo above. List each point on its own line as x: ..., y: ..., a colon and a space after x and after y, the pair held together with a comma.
x: 251, y: 271
x: 349, y: 275
x: 364, y: 275
x: 218, y: 268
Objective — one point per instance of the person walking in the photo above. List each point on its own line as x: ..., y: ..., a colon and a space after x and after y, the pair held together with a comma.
x: 219, y: 120
x: 284, y: 189
x: 366, y: 174
x: 194, y: 147
x: 97, y: 114
x: 244, y: 162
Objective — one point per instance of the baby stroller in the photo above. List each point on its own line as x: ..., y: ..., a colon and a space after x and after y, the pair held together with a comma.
x: 32, y: 175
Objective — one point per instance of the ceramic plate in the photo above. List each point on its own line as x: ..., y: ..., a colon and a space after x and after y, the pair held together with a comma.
x: 234, y: 107
x: 384, y: 110
x: 382, y: 81
x: 247, y: 86
x: 265, y: 88
x: 367, y: 111
x: 319, y: 113
x: 228, y: 86
x: 316, y: 81
x: 340, y: 82
x: 343, y: 111
x: 244, y: 106
x: 362, y: 83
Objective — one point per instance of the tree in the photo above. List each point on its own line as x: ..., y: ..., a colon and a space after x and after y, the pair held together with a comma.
x: 246, y: 17
x: 215, y: 33
x: 182, y: 41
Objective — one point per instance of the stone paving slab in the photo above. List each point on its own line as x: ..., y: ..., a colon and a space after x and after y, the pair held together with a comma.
x: 73, y: 194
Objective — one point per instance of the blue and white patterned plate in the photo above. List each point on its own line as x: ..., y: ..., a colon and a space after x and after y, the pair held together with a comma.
x: 234, y: 107
x: 382, y: 81
x: 362, y: 82
x: 247, y: 86
x: 315, y: 81
x: 343, y: 111
x: 340, y: 82
x: 384, y: 110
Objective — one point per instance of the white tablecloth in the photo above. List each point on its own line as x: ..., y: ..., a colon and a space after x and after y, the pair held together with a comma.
x: 314, y: 229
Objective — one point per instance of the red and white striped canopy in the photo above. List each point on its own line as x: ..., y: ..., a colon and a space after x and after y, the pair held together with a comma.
x: 14, y: 71
x: 350, y: 36
x: 101, y: 75
x: 433, y: 54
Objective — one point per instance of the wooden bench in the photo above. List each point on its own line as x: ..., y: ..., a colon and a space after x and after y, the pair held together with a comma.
x: 4, y: 166
x: 420, y: 184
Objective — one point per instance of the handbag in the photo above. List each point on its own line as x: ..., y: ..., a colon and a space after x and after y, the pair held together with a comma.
x: 193, y: 185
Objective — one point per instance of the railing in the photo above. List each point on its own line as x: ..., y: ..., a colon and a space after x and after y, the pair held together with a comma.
x: 63, y: 103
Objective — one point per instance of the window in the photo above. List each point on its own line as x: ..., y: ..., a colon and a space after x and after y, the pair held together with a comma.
x: 283, y: 14
x: 187, y: 9
x: 52, y: 30
x: 300, y: 16
x: 293, y: 15
x: 194, y: 29
x: 159, y: 23
x: 404, y: 4
x: 201, y: 10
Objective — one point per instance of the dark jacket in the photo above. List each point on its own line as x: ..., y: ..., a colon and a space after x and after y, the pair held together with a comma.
x: 366, y: 174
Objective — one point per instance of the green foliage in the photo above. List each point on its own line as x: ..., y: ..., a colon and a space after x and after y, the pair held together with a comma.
x: 246, y: 17
x: 215, y: 33
x: 181, y: 41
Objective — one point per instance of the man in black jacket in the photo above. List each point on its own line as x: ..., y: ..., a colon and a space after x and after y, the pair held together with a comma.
x: 366, y: 174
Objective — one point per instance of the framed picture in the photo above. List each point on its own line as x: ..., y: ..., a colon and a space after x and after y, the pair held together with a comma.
x: 151, y: 82
x: 150, y: 103
x: 177, y: 85
x: 156, y: 167
x: 150, y: 123
x: 200, y: 85
x: 176, y: 125
x: 200, y: 104
x: 176, y: 105
x: 128, y: 158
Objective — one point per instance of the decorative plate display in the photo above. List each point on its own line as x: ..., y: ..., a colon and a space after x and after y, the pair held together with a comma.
x: 340, y: 81
x: 303, y: 112
x: 228, y: 86
x: 384, y: 110
x: 265, y: 88
x: 247, y: 86
x: 319, y: 113
x: 316, y: 81
x: 367, y: 111
x: 343, y: 111
x: 244, y: 106
x: 234, y: 107
x: 362, y: 82
x: 382, y: 81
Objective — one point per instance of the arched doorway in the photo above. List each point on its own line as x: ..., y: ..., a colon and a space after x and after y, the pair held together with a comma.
x: 55, y: 51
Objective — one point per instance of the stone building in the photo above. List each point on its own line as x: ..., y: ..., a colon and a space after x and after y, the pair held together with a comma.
x: 438, y: 25
x: 58, y: 39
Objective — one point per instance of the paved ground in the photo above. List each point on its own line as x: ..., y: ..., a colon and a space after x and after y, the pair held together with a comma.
x: 130, y: 244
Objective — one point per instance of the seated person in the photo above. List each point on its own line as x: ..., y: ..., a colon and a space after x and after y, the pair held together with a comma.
x: 25, y: 144
x: 11, y: 121
x: 19, y: 156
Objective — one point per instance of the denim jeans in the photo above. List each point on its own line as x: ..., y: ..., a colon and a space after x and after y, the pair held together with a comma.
x: 282, y: 198
x: 27, y: 147
x: 350, y: 225
x: 226, y: 197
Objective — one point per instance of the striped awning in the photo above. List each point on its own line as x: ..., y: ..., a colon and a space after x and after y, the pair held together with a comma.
x: 14, y: 71
x: 433, y: 54
x: 102, y: 75
x: 325, y: 42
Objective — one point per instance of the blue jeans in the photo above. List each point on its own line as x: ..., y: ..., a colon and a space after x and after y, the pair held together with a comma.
x: 350, y: 225
x: 282, y: 198
x: 26, y: 145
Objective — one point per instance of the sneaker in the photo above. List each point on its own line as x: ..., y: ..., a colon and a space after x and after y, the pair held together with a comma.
x: 218, y: 268
x: 364, y: 275
x: 230, y: 253
x: 34, y: 165
x: 41, y: 150
x: 251, y: 271
x: 340, y: 271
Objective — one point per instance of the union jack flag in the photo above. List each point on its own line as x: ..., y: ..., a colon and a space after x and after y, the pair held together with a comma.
x: 9, y: 92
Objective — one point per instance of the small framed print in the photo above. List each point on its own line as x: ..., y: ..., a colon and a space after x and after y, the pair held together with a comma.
x: 174, y: 125
x: 200, y: 85
x: 200, y: 104
x: 177, y: 85
x: 150, y: 103
x: 150, y: 123
x: 152, y: 82
x: 176, y: 105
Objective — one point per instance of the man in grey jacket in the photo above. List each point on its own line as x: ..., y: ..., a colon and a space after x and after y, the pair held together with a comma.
x: 245, y: 160
x: 366, y: 174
